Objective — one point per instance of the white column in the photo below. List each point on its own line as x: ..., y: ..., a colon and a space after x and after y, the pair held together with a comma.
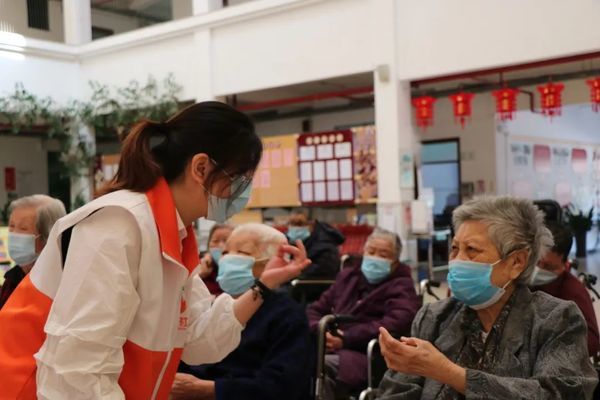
x: 396, y: 146
x: 205, y: 6
x: 77, y: 20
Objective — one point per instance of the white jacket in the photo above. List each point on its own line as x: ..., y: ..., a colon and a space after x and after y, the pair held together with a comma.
x: 126, y: 308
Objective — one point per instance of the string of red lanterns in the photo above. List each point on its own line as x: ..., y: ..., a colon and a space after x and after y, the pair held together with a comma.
x: 551, y: 98
x: 461, y: 104
x: 506, y: 103
x: 594, y: 85
x: 424, y: 111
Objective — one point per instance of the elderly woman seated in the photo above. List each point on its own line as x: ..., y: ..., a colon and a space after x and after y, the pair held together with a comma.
x: 493, y: 339
x: 379, y: 291
x: 272, y: 360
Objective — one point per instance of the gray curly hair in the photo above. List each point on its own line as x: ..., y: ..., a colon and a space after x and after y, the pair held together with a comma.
x: 513, y: 224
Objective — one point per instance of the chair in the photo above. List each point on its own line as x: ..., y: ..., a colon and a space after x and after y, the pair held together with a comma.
x: 327, y: 323
x: 552, y: 210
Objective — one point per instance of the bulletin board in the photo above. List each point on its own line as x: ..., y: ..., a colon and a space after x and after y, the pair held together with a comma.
x: 326, y: 168
x: 275, y: 183
x: 553, y: 170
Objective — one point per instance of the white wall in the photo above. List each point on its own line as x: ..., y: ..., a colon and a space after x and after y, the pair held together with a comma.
x: 175, y: 56
x: 439, y: 37
x: 321, y: 40
x: 320, y: 123
x: 477, y: 139
x: 13, y: 18
x: 44, y: 76
x: 29, y: 157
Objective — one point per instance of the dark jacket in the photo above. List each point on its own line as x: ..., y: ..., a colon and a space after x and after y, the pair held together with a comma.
x: 542, y: 353
x: 568, y: 287
x: 322, y: 249
x: 272, y: 360
x: 392, y: 304
x: 12, y: 278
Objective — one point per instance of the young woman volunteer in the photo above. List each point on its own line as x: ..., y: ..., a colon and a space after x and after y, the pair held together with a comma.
x: 114, y: 301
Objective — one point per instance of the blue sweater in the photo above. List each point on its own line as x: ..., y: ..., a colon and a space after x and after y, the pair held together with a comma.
x: 272, y: 360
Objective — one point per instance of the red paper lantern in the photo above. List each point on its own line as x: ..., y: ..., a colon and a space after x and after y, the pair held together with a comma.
x: 595, y: 93
x: 462, y: 106
x: 424, y: 111
x: 551, y: 98
x: 506, y: 103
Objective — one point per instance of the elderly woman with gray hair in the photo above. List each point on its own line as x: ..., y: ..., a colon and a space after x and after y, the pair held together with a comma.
x: 378, y: 292
x: 493, y: 339
x: 29, y: 224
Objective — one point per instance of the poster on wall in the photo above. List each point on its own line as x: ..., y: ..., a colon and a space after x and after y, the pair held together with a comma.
x: 365, y: 163
x: 550, y: 170
x: 275, y: 183
x: 326, y: 168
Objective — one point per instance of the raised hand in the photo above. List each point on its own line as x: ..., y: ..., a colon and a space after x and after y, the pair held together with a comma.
x: 280, y: 270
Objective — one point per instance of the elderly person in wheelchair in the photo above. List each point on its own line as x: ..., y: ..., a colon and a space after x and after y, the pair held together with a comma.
x: 273, y: 358
x: 493, y: 339
x: 377, y: 292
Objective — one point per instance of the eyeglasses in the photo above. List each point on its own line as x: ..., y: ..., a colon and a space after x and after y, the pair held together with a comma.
x: 240, y: 181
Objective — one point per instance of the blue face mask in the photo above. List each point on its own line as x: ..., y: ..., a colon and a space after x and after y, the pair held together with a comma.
x: 542, y: 277
x: 470, y: 282
x: 215, y: 253
x: 235, y: 273
x: 375, y: 269
x: 21, y: 248
x: 221, y: 209
x: 298, y: 233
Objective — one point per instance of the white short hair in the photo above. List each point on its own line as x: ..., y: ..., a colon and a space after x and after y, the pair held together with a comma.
x: 393, y: 238
x: 269, y: 239
x: 513, y: 224
x: 48, y: 210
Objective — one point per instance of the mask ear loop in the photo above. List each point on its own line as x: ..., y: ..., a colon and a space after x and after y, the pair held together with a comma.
x: 504, y: 258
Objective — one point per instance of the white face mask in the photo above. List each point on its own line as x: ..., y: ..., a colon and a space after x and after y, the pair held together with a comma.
x: 221, y: 209
x: 542, y: 277
x: 21, y: 248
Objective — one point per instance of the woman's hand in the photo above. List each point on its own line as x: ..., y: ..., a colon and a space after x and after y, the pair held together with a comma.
x: 189, y: 387
x: 278, y: 270
x: 333, y: 343
x: 206, y: 266
x: 414, y: 356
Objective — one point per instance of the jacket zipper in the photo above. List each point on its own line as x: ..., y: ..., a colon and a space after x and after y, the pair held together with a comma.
x: 161, y: 375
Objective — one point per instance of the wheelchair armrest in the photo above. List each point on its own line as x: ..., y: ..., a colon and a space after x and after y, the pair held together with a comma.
x: 312, y: 282
x: 368, y: 394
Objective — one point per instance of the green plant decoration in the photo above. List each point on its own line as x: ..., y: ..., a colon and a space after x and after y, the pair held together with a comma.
x: 110, y: 112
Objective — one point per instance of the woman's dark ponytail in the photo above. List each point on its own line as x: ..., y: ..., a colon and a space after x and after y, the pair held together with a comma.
x: 226, y: 135
x: 138, y: 170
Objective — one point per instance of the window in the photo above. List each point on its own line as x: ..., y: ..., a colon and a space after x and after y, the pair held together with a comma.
x: 37, y: 14
x: 441, y: 171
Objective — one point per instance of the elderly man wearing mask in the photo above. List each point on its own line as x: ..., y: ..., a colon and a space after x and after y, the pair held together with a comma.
x: 377, y: 292
x: 553, y: 276
x: 31, y: 219
x: 493, y: 339
x: 272, y: 360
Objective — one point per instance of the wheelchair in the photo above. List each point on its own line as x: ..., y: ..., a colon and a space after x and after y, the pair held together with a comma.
x: 376, y: 366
